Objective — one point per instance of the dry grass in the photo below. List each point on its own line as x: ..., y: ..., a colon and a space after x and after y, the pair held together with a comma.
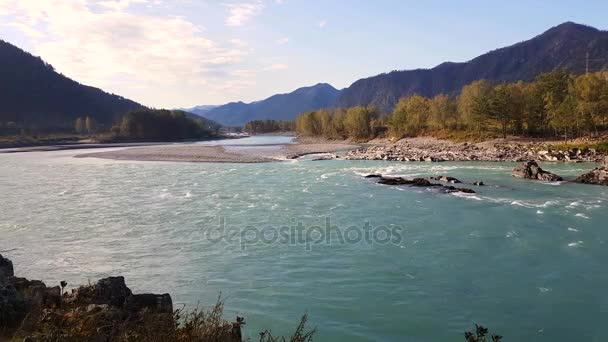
x: 86, y: 323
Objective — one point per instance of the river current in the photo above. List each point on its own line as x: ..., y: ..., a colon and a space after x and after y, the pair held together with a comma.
x: 277, y: 240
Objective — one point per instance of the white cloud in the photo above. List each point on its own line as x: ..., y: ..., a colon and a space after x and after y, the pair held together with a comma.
x: 158, y: 60
x: 240, y: 13
x: 322, y: 23
x: 282, y: 41
x: 277, y: 66
x: 119, y: 5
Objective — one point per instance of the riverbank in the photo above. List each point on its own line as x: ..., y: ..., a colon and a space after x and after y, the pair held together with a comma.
x: 62, y: 145
x: 497, y: 150
x: 222, y: 154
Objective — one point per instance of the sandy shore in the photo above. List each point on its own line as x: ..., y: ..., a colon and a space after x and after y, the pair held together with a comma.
x: 221, y: 154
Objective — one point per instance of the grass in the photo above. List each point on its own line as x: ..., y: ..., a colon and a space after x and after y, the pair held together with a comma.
x: 72, y: 322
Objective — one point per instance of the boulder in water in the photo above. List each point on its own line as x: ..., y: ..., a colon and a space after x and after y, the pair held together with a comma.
x: 597, y: 176
x: 450, y: 189
x: 447, y: 179
x: 394, y: 181
x: 422, y: 183
x: 531, y: 170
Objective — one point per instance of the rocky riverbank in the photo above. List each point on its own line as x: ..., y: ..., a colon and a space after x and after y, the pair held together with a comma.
x: 105, y: 311
x: 436, y: 150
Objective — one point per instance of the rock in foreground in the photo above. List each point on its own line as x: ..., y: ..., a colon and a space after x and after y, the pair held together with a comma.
x: 103, y: 312
x: 531, y: 170
x: 597, y: 176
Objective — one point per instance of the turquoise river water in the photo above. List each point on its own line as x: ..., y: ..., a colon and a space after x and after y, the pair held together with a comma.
x: 526, y: 259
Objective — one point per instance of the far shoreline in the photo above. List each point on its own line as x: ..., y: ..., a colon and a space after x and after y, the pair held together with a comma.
x: 93, y: 145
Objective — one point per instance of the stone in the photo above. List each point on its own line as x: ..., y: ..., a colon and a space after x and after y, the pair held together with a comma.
x: 13, y: 307
x: 531, y: 170
x: 6, y: 268
x: 597, y: 176
x: 374, y: 175
x: 447, y: 179
x: 394, y: 181
x: 151, y: 302
x: 112, y: 291
x: 479, y: 183
x: 421, y: 182
x: 450, y: 189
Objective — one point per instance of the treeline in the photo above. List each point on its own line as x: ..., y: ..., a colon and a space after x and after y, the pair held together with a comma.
x: 160, y: 125
x: 361, y: 122
x: 269, y: 126
x: 554, y: 104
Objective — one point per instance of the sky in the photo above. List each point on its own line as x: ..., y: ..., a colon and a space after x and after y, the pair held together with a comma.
x: 182, y: 53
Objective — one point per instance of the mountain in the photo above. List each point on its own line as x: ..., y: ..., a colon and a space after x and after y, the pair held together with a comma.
x: 33, y: 95
x: 277, y: 107
x: 199, y: 110
x: 209, y: 124
x: 564, y: 46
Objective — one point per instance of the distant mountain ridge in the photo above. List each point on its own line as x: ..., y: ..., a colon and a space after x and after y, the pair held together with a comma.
x: 199, y: 110
x: 277, y: 107
x: 34, y: 95
x: 564, y: 46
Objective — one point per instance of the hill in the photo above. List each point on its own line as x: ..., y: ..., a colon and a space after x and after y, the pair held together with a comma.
x: 199, y: 110
x: 35, y: 96
x: 277, y: 107
x: 564, y: 46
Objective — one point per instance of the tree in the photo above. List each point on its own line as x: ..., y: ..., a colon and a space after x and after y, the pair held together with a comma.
x: 497, y: 105
x: 357, y: 122
x: 410, y: 116
x: 552, y: 88
x: 589, y: 92
x: 79, y: 126
x: 442, y: 113
x: 470, y: 104
x: 90, y: 125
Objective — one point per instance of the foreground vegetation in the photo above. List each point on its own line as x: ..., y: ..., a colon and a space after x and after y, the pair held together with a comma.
x: 73, y: 324
x: 555, y: 105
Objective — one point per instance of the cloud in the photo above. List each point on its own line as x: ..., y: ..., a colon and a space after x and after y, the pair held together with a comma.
x: 277, y: 66
x: 119, y: 5
x: 240, y: 13
x: 153, y: 59
x: 282, y: 41
x: 322, y: 23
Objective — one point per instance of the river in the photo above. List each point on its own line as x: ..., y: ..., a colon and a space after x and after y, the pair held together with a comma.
x: 527, y: 259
